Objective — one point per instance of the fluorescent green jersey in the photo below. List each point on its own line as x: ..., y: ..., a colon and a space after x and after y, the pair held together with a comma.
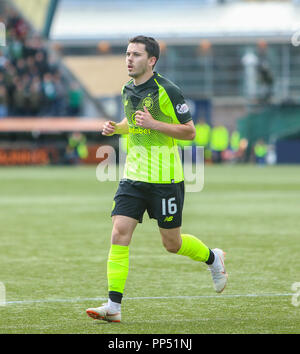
x: 153, y: 156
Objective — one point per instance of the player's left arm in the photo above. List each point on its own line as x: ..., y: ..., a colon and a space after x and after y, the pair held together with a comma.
x: 184, y: 131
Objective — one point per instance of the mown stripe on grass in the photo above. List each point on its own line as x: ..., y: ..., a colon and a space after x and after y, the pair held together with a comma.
x: 28, y: 302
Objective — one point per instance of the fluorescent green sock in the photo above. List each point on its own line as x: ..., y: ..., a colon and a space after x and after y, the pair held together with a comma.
x: 117, y: 268
x: 194, y: 248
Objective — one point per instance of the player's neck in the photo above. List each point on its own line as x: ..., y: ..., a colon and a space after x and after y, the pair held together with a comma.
x: 143, y: 78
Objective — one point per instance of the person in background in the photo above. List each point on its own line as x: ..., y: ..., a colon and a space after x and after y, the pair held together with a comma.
x: 3, y: 102
x: 75, y: 99
x: 76, y: 149
x: 19, y: 98
x: 260, y: 151
x: 203, y: 133
x: 219, y: 142
x: 35, y: 96
x: 3, y: 60
x: 234, y: 146
x: 61, y: 95
x: 235, y: 141
x: 49, y: 92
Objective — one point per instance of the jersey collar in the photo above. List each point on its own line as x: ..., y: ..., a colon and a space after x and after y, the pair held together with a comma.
x: 146, y: 83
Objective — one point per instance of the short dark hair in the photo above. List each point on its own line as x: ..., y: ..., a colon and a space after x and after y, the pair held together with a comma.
x: 151, y: 45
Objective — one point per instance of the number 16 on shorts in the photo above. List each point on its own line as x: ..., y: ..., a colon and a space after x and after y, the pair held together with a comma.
x: 168, y: 206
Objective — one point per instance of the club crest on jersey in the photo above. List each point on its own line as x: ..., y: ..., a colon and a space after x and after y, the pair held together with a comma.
x: 148, y: 102
x: 182, y: 108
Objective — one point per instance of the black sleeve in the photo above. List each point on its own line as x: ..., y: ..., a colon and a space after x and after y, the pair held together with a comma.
x: 180, y: 107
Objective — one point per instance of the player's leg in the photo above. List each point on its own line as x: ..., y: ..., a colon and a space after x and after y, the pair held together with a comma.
x: 117, y: 269
x: 128, y: 209
x: 118, y: 258
x: 171, y: 239
x: 190, y: 246
x: 168, y: 202
x: 186, y: 245
x: 167, y: 207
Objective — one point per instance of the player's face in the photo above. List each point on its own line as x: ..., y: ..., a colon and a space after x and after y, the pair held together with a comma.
x: 137, y: 60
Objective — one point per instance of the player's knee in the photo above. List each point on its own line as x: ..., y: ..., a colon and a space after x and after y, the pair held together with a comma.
x: 120, y: 235
x: 171, y: 247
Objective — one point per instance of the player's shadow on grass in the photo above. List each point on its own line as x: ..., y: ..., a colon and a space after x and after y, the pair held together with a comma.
x: 100, y: 323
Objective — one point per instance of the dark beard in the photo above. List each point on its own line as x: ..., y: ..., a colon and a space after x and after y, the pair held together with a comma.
x: 133, y: 75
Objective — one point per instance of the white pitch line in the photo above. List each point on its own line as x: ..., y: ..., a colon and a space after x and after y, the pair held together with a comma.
x: 27, y: 302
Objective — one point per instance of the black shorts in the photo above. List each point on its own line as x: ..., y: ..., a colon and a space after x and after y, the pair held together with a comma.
x: 163, y: 202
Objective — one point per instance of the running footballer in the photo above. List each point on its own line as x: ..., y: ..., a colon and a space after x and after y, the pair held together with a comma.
x: 156, y: 116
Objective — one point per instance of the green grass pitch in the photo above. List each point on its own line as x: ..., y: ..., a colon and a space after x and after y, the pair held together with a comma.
x: 55, y: 235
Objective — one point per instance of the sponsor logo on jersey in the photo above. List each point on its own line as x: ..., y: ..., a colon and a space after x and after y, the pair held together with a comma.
x: 133, y: 129
x: 139, y: 130
x: 182, y: 108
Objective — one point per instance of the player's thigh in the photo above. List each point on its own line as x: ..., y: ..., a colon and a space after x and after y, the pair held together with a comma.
x: 171, y: 239
x: 129, y: 200
x: 166, y: 205
x: 123, y: 228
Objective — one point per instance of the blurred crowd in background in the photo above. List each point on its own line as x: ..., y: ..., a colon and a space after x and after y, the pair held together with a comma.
x: 31, y: 83
x: 34, y: 82
x: 218, y: 143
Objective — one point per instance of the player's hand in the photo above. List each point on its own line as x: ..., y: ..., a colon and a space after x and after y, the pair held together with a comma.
x: 144, y: 119
x: 109, y: 128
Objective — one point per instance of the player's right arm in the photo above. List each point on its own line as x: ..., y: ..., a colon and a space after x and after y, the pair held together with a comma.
x: 110, y: 127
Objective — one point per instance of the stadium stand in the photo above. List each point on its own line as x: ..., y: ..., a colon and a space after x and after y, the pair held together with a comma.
x: 31, y: 83
x: 33, y: 80
x: 230, y: 62
x: 35, y: 90
x: 204, y: 53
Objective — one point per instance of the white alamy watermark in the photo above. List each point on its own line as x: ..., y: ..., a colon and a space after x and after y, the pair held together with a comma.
x: 157, y: 164
x: 295, y: 297
x: 2, y: 294
x: 2, y: 34
x: 295, y: 39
